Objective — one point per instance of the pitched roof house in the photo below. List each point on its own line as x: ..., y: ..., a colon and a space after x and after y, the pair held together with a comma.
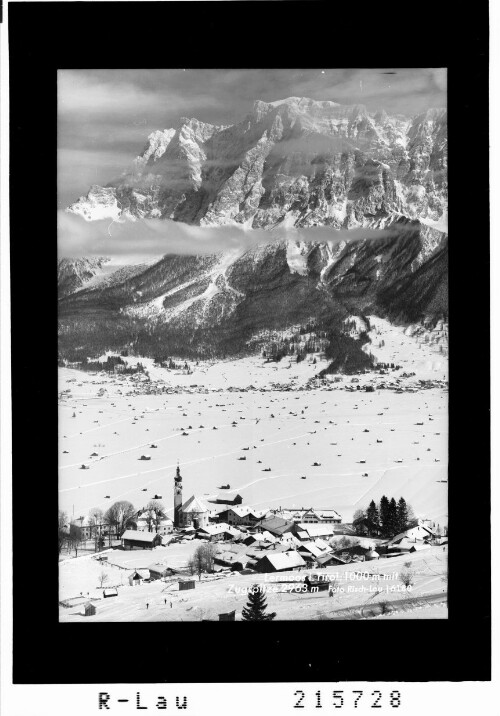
x: 312, y: 531
x: 241, y: 515
x: 280, y: 562
x: 275, y: 525
x: 419, y: 532
x: 140, y: 540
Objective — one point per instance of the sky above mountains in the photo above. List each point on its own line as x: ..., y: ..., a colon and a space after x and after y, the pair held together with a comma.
x: 105, y: 116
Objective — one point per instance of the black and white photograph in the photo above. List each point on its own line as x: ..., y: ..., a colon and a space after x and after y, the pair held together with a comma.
x: 252, y: 344
x: 245, y: 358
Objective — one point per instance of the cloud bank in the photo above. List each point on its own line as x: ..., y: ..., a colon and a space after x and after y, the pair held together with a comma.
x: 157, y: 237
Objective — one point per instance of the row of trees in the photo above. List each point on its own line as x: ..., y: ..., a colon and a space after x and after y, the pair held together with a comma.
x: 167, y: 362
x: 389, y: 517
x: 120, y: 516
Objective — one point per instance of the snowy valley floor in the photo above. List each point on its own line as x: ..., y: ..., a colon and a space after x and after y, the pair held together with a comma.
x: 391, y: 441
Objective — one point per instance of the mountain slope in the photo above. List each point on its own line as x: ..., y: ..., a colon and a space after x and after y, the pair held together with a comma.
x: 295, y: 162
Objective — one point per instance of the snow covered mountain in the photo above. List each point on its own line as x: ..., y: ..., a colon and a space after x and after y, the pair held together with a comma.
x: 72, y: 274
x: 291, y: 163
x: 297, y: 161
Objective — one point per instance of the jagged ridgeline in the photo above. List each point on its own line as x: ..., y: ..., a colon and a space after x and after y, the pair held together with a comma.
x: 296, y: 163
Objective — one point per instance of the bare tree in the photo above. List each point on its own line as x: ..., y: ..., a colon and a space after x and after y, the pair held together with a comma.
x: 75, y: 537
x: 155, y: 513
x: 119, y: 515
x: 96, y: 517
x: 62, y: 529
x: 406, y: 578
x: 202, y: 559
x: 103, y: 578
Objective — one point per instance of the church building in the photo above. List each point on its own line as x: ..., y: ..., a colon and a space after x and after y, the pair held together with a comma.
x: 194, y: 512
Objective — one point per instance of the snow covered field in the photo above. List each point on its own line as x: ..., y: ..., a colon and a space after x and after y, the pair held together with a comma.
x: 398, y: 439
x: 391, y: 441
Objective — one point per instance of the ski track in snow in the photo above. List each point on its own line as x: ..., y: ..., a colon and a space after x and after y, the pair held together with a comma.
x: 165, y: 467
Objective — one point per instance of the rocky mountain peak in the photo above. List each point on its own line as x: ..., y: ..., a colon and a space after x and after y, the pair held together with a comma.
x: 296, y: 160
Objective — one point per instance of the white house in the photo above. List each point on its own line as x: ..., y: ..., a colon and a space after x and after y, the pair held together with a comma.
x: 306, y: 532
x: 312, y: 515
x: 413, y: 534
x: 280, y: 562
x: 240, y: 515
x: 218, y: 532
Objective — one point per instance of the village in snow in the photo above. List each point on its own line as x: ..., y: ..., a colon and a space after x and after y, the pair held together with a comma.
x: 254, y: 489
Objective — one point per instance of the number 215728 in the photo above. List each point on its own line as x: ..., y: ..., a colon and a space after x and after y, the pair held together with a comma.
x: 373, y: 699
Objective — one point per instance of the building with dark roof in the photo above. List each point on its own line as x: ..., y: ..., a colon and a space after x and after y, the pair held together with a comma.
x: 140, y: 540
x: 275, y: 525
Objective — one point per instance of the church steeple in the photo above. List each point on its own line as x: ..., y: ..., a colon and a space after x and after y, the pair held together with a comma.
x: 177, y: 497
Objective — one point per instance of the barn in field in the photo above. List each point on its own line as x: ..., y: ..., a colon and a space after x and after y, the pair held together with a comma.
x: 90, y: 609
x: 136, y: 578
x: 227, y: 500
x: 134, y: 539
x: 158, y: 571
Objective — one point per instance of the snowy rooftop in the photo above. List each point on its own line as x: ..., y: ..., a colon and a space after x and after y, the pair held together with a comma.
x: 285, y: 560
x: 194, y: 504
x: 139, y: 536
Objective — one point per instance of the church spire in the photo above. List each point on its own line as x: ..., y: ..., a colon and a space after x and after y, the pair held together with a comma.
x: 177, y: 497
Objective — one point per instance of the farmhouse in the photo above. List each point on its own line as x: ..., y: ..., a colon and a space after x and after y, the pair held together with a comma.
x: 310, y: 551
x: 145, y: 522
x: 275, y: 525
x: 280, y: 562
x: 165, y: 526
x: 311, y: 515
x: 355, y: 553
x: 307, y: 532
x: 239, y: 515
x: 158, y: 571
x: 327, y: 560
x: 413, y: 534
x: 141, y: 540
x: 221, y: 531
x: 136, y: 578
x: 260, y: 538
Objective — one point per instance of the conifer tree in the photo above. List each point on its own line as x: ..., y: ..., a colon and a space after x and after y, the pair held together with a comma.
x: 372, y: 513
x: 392, y: 518
x: 384, y: 514
x: 256, y: 607
x: 402, y: 515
